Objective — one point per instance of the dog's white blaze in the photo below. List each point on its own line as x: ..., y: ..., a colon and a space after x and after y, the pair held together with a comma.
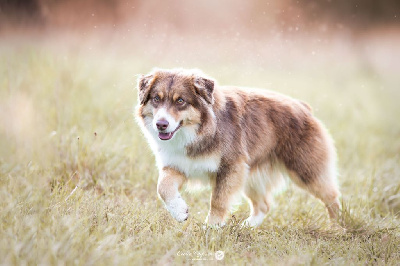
x: 163, y: 114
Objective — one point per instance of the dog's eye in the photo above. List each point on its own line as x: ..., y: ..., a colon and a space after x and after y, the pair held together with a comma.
x: 180, y: 101
x: 156, y: 99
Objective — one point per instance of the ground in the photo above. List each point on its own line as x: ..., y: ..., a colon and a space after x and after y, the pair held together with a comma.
x: 78, y: 181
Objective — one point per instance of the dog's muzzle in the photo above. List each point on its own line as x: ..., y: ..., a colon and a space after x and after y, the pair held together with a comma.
x: 162, y: 125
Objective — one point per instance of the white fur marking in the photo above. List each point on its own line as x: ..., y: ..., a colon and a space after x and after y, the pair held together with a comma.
x: 162, y: 114
x: 255, y: 220
x: 173, y: 152
x: 193, y: 168
x: 177, y: 208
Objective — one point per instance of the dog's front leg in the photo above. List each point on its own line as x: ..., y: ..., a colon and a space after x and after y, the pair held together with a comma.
x: 169, y: 183
x: 229, y: 181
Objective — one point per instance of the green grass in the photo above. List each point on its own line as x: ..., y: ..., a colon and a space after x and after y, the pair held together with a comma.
x: 78, y: 182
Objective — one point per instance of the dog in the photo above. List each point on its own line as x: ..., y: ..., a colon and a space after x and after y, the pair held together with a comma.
x: 238, y: 140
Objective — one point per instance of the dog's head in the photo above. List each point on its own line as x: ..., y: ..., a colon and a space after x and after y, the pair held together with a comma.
x: 173, y: 99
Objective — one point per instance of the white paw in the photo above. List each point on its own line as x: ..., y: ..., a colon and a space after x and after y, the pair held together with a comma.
x: 178, y: 209
x: 213, y: 223
x: 254, y: 220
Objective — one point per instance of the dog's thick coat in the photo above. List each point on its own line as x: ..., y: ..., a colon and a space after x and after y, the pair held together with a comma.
x: 240, y: 140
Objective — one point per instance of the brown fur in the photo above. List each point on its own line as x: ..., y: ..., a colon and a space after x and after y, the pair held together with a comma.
x: 250, y: 130
x: 169, y: 183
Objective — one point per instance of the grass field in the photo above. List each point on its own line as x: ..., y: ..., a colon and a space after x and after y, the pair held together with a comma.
x: 78, y: 182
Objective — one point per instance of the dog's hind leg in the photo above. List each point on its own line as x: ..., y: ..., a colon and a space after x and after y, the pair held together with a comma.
x: 323, y: 187
x: 311, y: 164
x: 259, y: 189
x: 259, y: 206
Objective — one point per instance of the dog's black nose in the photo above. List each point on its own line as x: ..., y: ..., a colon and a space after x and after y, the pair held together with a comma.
x: 162, y: 124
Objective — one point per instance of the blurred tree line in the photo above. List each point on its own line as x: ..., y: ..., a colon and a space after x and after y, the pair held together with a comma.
x: 277, y: 13
x: 351, y: 12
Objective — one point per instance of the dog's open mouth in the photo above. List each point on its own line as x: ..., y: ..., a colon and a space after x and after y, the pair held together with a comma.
x: 169, y: 135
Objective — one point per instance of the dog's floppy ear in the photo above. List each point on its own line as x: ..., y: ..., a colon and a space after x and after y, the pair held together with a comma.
x: 205, y: 87
x: 144, y: 84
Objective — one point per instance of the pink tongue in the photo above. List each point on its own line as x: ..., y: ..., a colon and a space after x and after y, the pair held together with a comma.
x: 165, y: 136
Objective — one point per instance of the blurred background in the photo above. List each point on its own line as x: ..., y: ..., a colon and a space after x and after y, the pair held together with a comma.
x: 69, y: 68
x: 308, y: 49
x: 254, y: 31
x: 72, y: 156
x: 254, y: 36
x: 205, y: 16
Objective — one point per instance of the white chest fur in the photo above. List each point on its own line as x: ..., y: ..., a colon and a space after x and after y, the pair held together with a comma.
x: 173, y: 153
x: 198, y: 168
